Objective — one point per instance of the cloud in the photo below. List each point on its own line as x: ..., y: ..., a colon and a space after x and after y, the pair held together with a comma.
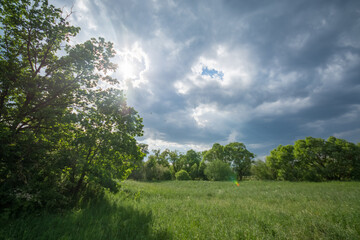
x: 348, y: 134
x: 233, y: 67
x: 264, y: 73
x: 282, y: 107
x: 133, y: 63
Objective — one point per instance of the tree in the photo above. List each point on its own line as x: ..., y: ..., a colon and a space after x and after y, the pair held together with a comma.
x: 60, y: 133
x: 176, y: 160
x: 201, y: 171
x: 343, y: 160
x: 102, y: 136
x: 194, y: 172
x: 190, y: 158
x: 234, y: 154
x: 314, y: 159
x: 312, y: 156
x: 261, y: 170
x: 216, y: 152
x: 239, y: 157
x: 182, y: 175
x: 283, y: 164
x: 218, y: 170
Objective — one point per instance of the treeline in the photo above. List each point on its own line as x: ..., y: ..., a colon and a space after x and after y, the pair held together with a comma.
x: 218, y: 163
x: 311, y: 159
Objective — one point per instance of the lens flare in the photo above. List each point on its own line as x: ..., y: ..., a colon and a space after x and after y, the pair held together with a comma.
x: 233, y: 179
x: 236, y: 182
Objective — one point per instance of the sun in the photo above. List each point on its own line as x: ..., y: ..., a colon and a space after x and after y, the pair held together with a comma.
x: 127, y: 69
x: 132, y: 64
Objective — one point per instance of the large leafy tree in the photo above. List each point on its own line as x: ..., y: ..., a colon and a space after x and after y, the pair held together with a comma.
x: 312, y: 155
x: 235, y: 154
x: 343, y: 161
x: 216, y: 152
x: 315, y: 159
x: 190, y: 159
x: 283, y: 164
x: 239, y: 157
x: 59, y: 131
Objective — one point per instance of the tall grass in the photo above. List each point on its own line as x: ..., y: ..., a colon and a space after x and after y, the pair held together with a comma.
x: 206, y: 210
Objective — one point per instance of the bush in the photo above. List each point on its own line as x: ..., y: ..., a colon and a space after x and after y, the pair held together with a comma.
x: 182, y: 175
x: 261, y: 171
x: 151, y: 172
x: 218, y: 171
x: 201, y: 171
x: 194, y: 171
x: 138, y: 174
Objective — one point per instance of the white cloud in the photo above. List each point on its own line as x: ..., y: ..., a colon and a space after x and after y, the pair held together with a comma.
x: 182, y: 147
x: 156, y: 140
x: 133, y: 63
x: 332, y: 74
x: 209, y: 116
x: 282, y: 106
x: 83, y: 15
x: 237, y: 67
x: 201, y: 114
x: 182, y: 87
x: 233, y: 136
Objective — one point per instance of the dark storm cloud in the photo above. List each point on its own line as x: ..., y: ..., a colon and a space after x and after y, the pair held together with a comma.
x: 291, y: 69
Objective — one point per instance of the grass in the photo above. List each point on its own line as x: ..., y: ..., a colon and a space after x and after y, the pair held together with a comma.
x: 206, y: 210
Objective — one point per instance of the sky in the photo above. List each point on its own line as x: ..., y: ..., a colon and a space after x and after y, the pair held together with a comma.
x: 259, y: 72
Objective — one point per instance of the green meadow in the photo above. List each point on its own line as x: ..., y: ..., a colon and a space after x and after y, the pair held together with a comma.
x: 204, y: 210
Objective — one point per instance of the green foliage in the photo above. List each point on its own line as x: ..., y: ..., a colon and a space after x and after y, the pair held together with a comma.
x: 218, y: 170
x: 162, y: 158
x: 164, y: 165
x: 182, y: 175
x: 194, y: 172
x: 239, y: 157
x: 235, y: 154
x: 156, y: 172
x: 202, y: 168
x: 190, y: 158
x: 60, y: 133
x: 151, y: 171
x: 176, y: 160
x: 314, y: 159
x: 261, y: 171
x: 283, y: 164
x: 216, y: 152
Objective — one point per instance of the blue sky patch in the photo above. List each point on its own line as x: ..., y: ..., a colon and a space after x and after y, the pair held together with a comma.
x: 213, y: 73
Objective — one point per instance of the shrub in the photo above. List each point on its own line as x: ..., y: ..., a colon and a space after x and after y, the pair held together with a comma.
x: 194, y: 171
x: 182, y: 175
x: 201, y: 171
x: 218, y: 170
x: 261, y: 171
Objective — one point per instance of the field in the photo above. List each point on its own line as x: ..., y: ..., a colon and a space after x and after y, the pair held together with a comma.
x: 205, y: 210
